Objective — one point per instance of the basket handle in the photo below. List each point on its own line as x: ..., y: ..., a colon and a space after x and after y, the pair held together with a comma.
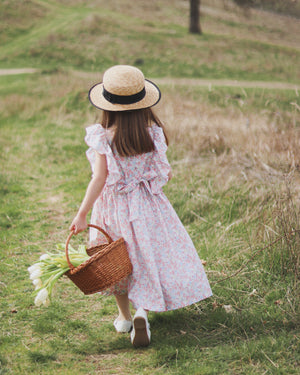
x: 72, y: 233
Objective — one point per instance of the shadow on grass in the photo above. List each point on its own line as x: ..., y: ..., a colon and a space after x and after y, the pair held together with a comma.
x: 188, y: 328
x: 182, y: 340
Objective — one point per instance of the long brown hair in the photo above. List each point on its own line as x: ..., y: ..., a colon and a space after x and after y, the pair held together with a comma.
x: 131, y: 136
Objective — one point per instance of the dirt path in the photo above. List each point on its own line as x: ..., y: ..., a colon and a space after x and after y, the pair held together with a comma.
x: 226, y: 83
x: 183, y: 81
x: 207, y: 82
x: 7, y: 72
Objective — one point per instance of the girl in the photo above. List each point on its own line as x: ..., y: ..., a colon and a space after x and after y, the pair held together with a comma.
x: 129, y: 164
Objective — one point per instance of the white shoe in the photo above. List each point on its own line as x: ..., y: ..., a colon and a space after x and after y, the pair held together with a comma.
x: 123, y: 326
x: 140, y: 335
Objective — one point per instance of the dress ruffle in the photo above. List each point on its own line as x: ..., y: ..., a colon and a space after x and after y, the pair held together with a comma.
x: 161, y: 164
x: 97, y: 140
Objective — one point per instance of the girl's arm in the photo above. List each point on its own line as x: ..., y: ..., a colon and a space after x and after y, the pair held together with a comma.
x: 93, y: 191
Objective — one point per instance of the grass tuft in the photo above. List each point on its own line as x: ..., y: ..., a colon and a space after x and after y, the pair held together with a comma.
x: 39, y: 357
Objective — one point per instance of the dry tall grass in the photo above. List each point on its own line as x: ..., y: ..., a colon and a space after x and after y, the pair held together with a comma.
x: 247, y: 142
x: 257, y: 150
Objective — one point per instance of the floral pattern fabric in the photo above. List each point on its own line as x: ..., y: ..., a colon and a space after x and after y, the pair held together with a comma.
x: 167, y: 271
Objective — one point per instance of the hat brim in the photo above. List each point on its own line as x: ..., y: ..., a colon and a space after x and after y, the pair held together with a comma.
x: 151, y: 98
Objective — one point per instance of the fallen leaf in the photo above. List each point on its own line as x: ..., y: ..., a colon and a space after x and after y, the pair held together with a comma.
x: 228, y: 308
x: 204, y: 262
x: 215, y: 305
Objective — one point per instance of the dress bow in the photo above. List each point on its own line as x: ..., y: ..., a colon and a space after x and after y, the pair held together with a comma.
x: 132, y: 189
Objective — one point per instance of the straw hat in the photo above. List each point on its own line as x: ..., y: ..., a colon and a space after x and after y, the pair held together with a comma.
x: 124, y: 88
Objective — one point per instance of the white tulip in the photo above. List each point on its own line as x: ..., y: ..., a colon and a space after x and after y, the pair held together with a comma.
x: 46, y: 271
x: 36, y: 274
x: 41, y: 297
x: 33, y: 268
x: 44, y: 257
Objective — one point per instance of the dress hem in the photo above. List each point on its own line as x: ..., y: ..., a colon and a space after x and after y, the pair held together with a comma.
x: 182, y: 305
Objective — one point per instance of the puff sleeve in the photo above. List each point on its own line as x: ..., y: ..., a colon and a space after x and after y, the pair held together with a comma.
x: 161, y: 163
x: 97, y: 141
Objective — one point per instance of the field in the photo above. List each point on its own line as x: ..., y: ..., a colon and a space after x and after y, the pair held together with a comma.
x: 231, y: 108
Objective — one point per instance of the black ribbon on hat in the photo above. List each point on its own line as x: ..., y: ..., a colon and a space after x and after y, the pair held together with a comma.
x: 124, y: 99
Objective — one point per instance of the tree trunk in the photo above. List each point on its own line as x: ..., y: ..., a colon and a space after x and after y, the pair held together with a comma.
x: 194, y: 17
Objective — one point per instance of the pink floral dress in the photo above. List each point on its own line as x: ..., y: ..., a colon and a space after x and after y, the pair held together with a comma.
x: 167, y: 272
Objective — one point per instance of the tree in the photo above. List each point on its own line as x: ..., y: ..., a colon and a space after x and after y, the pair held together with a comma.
x: 195, y: 27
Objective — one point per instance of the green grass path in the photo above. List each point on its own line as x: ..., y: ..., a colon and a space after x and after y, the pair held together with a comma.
x: 174, y: 81
x: 58, y: 20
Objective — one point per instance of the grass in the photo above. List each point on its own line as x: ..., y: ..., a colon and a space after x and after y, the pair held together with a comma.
x: 228, y: 215
x: 235, y: 158
x: 15, y: 22
x: 73, y: 36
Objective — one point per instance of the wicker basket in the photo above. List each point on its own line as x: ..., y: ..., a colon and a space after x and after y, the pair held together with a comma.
x: 109, y: 263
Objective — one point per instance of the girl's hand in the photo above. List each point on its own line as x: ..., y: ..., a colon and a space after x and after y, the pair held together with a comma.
x: 78, y: 224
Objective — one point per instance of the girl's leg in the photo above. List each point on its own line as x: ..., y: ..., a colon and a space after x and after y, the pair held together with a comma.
x: 123, y: 306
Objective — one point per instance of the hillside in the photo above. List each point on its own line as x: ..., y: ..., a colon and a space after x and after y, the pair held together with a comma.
x: 91, y: 37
